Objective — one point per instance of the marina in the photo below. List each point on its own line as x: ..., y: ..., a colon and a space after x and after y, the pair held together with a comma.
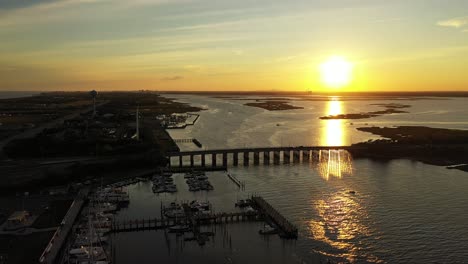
x: 85, y: 235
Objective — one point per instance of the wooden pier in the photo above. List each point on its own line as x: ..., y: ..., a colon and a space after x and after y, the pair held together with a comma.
x: 286, y: 229
x: 264, y: 211
x: 234, y: 179
x: 192, y: 220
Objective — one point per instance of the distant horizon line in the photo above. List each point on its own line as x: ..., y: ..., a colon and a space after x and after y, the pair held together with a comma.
x: 334, y: 92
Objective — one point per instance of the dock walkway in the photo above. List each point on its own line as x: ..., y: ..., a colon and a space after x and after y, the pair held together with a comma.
x: 60, y: 236
x: 286, y: 229
x: 158, y: 223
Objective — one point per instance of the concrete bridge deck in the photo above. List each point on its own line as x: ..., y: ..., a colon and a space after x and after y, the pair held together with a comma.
x: 269, y: 155
x: 256, y: 149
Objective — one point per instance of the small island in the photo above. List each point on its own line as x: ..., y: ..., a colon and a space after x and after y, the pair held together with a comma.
x: 272, y: 105
x: 390, y: 109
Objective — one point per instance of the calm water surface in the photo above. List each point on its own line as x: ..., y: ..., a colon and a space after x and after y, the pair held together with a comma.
x: 402, y: 212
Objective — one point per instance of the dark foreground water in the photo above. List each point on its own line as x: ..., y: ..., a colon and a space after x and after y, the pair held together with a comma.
x: 401, y: 212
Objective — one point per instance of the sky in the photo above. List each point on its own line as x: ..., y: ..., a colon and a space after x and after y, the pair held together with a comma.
x: 398, y: 45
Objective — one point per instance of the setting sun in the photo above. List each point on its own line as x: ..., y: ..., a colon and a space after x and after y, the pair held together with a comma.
x: 336, y: 72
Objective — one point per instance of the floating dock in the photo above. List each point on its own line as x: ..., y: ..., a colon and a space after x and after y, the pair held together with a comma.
x: 233, y: 178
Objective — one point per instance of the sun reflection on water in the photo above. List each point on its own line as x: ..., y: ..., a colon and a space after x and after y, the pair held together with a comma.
x: 336, y: 163
x: 340, y: 225
x: 334, y: 132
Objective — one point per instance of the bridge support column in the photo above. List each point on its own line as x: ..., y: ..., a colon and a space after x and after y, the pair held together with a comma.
x: 181, y: 162
x: 286, y: 156
x: 192, y: 163
x: 266, y: 157
x: 276, y: 157
x: 202, y: 160
x: 235, y: 158
x: 305, y: 155
x: 246, y: 158
x: 256, y: 158
x: 225, y: 159
x: 296, y: 156
x: 213, y: 159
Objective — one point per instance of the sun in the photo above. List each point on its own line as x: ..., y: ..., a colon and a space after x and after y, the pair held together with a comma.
x: 336, y: 72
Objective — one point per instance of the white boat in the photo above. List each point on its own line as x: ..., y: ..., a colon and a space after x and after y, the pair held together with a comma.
x: 167, y: 174
x: 96, y: 253
x: 175, y: 213
x: 103, y: 208
x: 179, y: 228
x: 268, y: 230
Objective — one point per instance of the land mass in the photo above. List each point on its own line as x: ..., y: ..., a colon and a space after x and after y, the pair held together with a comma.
x: 66, y: 141
x: 435, y: 146
x: 273, y: 105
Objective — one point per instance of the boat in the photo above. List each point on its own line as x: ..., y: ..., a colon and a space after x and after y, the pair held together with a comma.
x: 249, y: 209
x: 167, y: 174
x: 352, y: 192
x: 96, y: 253
x: 188, y: 175
x: 171, y: 188
x: 179, y: 228
x: 194, y: 188
x: 199, y: 206
x: 241, y: 203
x: 268, y: 230
x: 103, y: 209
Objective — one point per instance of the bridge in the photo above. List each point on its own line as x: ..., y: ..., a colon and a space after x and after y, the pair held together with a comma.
x: 268, y: 154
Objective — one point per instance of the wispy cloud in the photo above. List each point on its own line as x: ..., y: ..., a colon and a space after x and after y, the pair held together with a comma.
x: 457, y: 22
x: 172, y: 78
x: 62, y: 9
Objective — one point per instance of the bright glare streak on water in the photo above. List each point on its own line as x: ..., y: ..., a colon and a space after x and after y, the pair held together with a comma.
x: 334, y: 132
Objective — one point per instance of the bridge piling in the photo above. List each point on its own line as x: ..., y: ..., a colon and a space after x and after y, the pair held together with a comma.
x: 305, y: 155
x: 213, y: 159
x: 181, y: 162
x: 266, y: 157
x: 286, y: 156
x: 276, y: 157
x: 246, y: 158
x: 296, y: 156
x: 256, y: 158
x: 202, y: 160
x: 235, y: 158
x: 225, y: 159
x: 192, y: 162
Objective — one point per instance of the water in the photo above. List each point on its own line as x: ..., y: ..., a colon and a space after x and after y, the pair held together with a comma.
x: 16, y: 94
x: 402, y: 212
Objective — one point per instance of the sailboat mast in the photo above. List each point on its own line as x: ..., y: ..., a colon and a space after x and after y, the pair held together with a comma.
x: 138, y: 123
